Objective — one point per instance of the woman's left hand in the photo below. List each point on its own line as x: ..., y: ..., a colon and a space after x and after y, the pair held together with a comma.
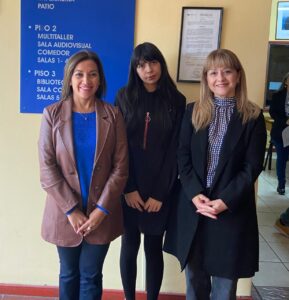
x: 212, y: 208
x: 94, y: 220
x: 152, y: 205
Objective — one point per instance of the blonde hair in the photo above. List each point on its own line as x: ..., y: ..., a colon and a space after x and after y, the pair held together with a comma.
x: 203, y: 108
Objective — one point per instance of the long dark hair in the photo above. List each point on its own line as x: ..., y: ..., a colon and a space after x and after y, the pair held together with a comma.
x: 134, y: 90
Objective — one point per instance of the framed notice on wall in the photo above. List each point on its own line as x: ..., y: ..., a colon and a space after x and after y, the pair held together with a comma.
x: 282, y: 22
x: 52, y: 31
x: 200, y: 34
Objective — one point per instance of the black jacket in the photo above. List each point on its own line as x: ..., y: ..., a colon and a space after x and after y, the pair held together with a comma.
x: 152, y: 171
x: 229, y: 244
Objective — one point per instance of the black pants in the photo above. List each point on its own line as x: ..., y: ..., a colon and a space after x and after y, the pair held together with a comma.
x: 154, y: 263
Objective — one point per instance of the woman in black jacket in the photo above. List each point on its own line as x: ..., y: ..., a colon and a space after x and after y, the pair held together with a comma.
x: 152, y: 108
x: 279, y: 111
x: 221, y: 152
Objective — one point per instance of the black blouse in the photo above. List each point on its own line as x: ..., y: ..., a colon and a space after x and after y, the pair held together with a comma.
x: 152, y: 146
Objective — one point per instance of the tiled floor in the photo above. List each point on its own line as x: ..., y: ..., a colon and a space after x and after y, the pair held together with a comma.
x: 272, y: 281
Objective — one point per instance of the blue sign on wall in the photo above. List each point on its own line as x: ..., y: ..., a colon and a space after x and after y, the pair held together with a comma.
x: 53, y: 30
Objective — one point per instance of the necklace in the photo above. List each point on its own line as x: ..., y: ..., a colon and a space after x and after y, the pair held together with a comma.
x: 85, y: 116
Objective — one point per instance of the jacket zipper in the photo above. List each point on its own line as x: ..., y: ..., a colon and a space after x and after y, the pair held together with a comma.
x: 147, y: 120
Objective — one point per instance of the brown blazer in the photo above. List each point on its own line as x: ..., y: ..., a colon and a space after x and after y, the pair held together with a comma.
x: 59, y: 178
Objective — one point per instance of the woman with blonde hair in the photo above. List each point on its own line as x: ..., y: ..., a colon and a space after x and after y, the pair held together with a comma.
x: 220, y: 156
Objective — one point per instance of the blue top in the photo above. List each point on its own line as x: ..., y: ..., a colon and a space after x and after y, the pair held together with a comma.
x: 85, y: 139
x: 84, y: 132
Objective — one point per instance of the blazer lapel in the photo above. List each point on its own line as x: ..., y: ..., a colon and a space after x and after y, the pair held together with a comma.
x: 234, y: 131
x: 65, y: 128
x: 103, y: 125
x: 199, y: 148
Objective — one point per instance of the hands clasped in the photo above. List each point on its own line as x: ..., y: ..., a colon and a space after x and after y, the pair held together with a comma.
x: 84, y: 225
x: 207, y: 207
x: 134, y: 200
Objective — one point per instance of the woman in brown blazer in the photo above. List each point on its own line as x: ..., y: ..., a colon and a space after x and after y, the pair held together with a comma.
x: 83, y: 169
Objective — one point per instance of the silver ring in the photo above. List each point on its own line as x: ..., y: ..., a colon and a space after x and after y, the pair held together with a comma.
x: 89, y: 228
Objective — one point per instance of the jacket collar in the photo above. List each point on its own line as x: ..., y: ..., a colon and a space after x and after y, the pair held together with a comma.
x: 65, y: 128
x: 103, y: 125
x: 199, y: 158
x: 200, y: 148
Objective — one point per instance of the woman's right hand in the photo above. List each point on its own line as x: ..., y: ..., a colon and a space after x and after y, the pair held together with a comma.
x: 134, y: 200
x: 77, y: 218
x: 200, y: 200
x: 203, y: 205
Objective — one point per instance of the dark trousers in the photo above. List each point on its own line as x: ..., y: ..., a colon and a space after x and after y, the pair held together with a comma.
x: 154, y: 263
x: 282, y: 158
x: 80, y: 275
x: 202, y: 286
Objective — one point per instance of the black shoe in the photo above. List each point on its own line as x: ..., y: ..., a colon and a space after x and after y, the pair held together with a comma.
x: 281, y: 191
